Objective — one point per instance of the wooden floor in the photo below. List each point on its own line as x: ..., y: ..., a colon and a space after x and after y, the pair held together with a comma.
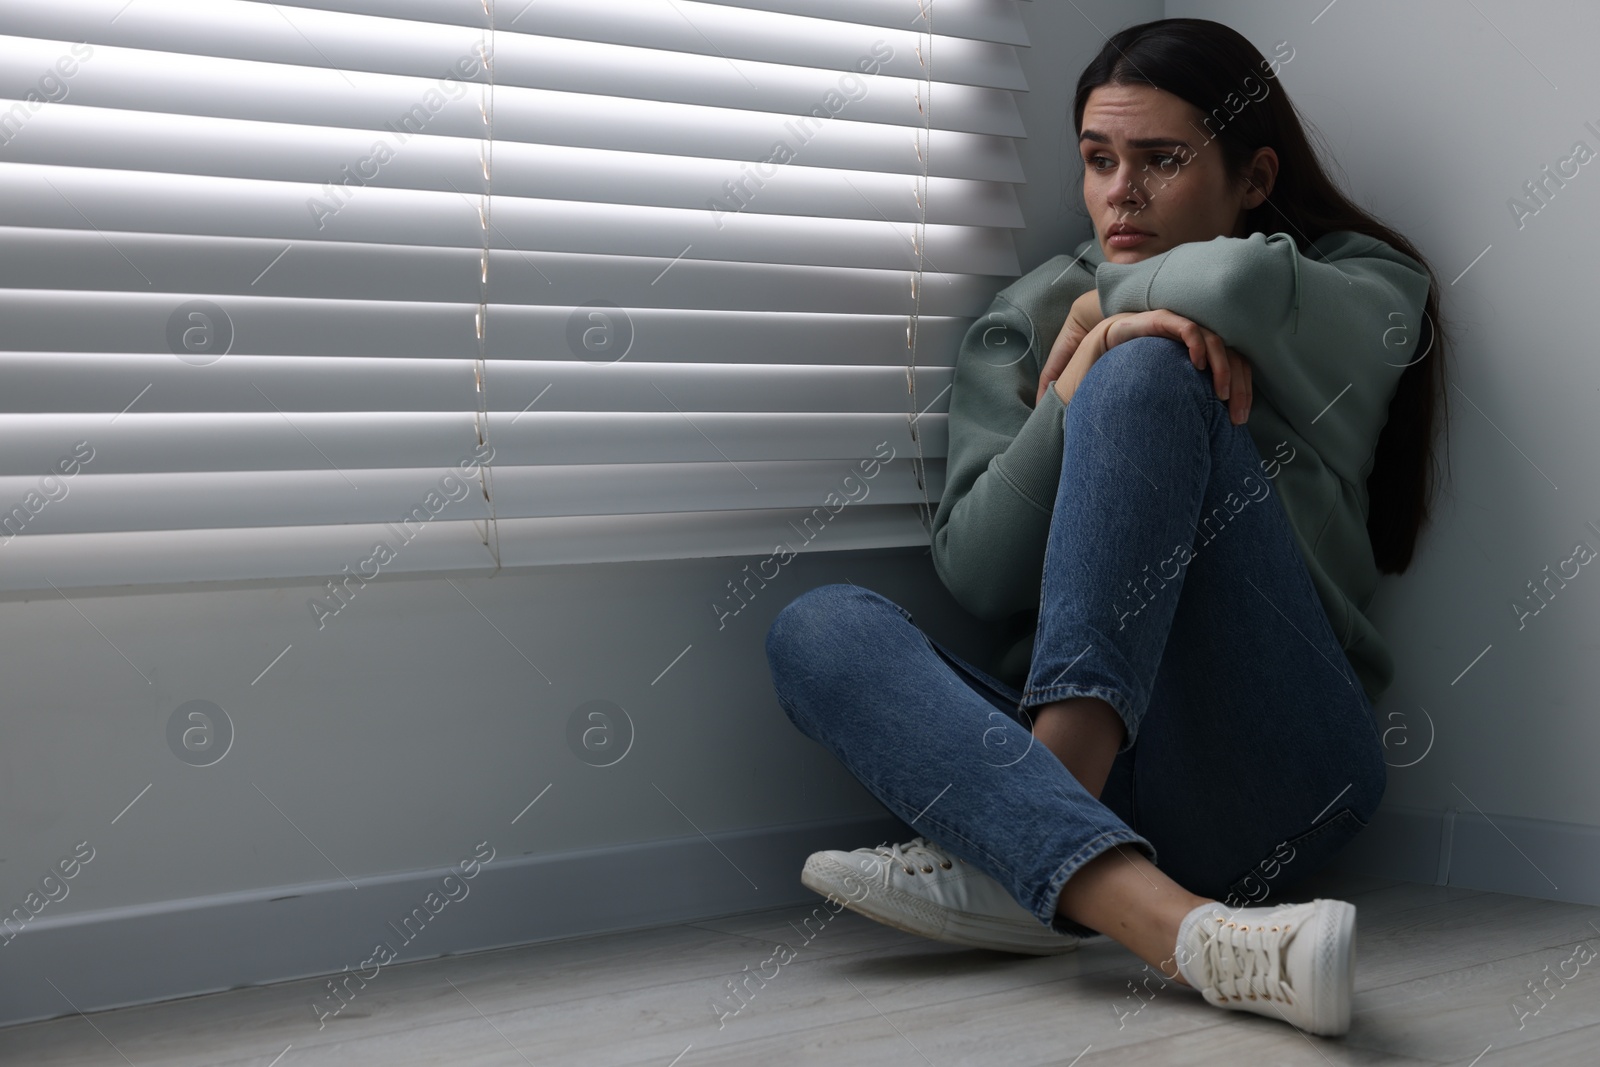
x: 1438, y: 971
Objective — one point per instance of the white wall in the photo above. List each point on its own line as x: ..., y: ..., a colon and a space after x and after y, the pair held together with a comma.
x: 407, y: 730
x: 411, y: 728
x: 1438, y: 113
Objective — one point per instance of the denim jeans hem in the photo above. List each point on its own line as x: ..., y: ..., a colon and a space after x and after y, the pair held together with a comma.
x: 1115, y: 697
x: 1108, y: 840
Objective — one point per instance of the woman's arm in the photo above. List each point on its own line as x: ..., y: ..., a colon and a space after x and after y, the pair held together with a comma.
x: 1001, y: 468
x: 1230, y: 373
x: 1084, y: 316
x: 1319, y: 332
x: 1084, y: 356
x: 1003, y: 464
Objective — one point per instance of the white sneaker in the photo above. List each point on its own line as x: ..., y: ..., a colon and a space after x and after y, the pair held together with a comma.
x: 920, y: 888
x: 1294, y: 962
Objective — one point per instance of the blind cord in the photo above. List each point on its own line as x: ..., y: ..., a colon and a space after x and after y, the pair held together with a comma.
x: 919, y: 245
x: 491, y: 529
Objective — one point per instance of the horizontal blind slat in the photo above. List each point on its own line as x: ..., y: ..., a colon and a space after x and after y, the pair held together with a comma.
x: 685, y: 30
x: 705, y: 436
x: 218, y: 148
x: 344, y: 442
x: 155, y: 557
x: 40, y: 383
x: 74, y: 198
x: 412, y: 499
x: 138, y: 443
x: 93, y: 503
x: 161, y: 81
x: 773, y: 37
x: 45, y: 383
x: 83, y: 132
x: 605, y: 539
x: 111, y: 322
x: 100, y: 561
x: 996, y: 21
x: 637, y: 489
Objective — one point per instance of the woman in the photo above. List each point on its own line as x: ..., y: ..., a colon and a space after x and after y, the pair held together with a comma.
x: 1200, y: 681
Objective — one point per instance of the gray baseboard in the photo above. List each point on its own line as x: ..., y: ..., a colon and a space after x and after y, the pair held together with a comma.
x: 1473, y: 850
x: 138, y: 955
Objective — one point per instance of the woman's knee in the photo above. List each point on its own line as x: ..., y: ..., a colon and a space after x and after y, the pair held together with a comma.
x: 814, y: 647
x: 819, y: 619
x: 1139, y: 369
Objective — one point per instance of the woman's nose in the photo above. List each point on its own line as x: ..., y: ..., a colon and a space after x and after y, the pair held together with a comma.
x: 1126, y: 191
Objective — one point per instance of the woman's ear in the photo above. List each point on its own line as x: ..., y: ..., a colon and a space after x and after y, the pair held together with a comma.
x: 1263, y: 174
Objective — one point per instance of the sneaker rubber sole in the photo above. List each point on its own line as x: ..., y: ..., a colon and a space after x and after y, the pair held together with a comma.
x: 1336, y: 960
x: 912, y: 914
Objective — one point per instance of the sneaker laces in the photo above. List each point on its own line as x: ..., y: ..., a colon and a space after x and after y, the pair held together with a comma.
x: 917, y: 853
x: 1244, y: 961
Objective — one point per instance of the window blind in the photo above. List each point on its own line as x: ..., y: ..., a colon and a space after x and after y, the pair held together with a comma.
x: 493, y: 284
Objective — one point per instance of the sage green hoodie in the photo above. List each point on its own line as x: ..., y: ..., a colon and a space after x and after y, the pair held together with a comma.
x: 1327, y: 334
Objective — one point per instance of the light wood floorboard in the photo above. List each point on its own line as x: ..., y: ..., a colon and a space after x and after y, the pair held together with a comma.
x: 1438, y: 970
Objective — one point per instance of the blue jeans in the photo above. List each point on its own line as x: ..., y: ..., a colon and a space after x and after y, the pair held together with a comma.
x: 1174, y: 590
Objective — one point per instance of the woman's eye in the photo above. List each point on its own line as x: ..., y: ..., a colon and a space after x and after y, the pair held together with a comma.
x: 1163, y: 160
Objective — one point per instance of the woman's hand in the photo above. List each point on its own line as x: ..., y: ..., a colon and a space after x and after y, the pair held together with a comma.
x: 1231, y: 375
x: 1084, y: 316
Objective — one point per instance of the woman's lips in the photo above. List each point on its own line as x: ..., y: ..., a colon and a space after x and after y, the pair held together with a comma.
x: 1127, y: 239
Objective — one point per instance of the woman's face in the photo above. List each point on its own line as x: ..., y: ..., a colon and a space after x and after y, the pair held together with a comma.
x: 1149, y: 164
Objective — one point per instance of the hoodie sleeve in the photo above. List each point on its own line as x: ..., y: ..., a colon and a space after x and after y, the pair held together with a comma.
x: 1326, y: 336
x: 1004, y: 459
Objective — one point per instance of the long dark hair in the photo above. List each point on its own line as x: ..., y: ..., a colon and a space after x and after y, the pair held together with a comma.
x: 1204, y: 63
